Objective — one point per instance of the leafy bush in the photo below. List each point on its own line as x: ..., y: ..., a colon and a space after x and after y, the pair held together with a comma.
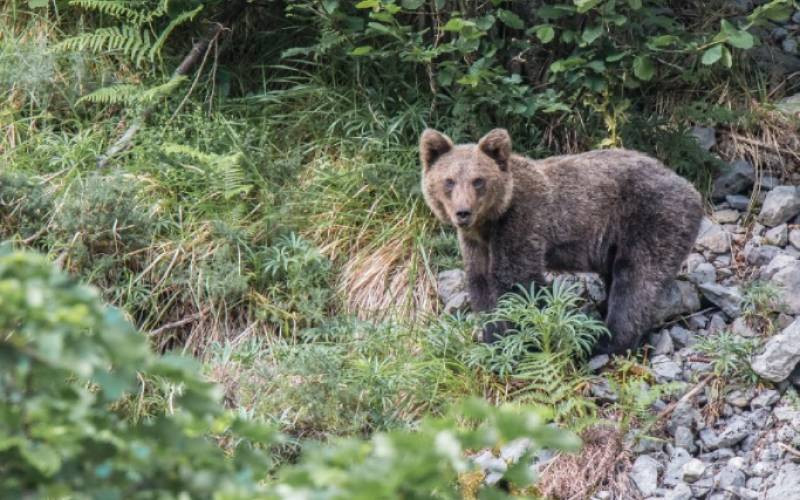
x: 73, y: 367
x: 68, y: 360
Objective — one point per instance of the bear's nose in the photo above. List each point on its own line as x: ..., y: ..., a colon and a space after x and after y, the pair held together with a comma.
x: 463, y: 215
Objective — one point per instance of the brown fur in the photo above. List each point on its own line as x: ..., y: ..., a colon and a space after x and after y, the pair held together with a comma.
x: 615, y: 212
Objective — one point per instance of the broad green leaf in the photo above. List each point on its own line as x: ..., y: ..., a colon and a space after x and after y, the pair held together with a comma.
x: 712, y: 55
x: 368, y: 4
x: 643, y: 68
x: 585, y: 5
x: 597, y: 65
x: 510, y: 19
x: 330, y: 5
x: 616, y: 56
x: 740, y: 39
x: 361, y: 51
x: 635, y: 4
x: 412, y: 4
x: 37, y: 4
x: 41, y: 456
x: 545, y: 33
x: 592, y: 33
x: 727, y: 59
x: 663, y: 41
x: 454, y: 24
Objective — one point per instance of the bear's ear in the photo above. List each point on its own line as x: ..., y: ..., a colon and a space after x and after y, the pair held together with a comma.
x: 497, y: 145
x: 432, y: 145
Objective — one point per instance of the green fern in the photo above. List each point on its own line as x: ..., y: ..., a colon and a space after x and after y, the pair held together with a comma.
x: 134, y: 38
x: 115, y: 94
x: 225, y: 173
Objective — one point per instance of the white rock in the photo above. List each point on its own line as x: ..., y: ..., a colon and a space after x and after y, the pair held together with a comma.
x: 738, y: 201
x: 726, y: 216
x: 738, y: 178
x: 787, y: 281
x: 780, y: 355
x: 703, y: 273
x: 644, y: 474
x: 729, y: 299
x: 777, y: 263
x: 794, y: 238
x: 713, y: 237
x: 778, y: 235
x: 785, y: 484
x: 782, y: 203
x: 693, y: 470
x: 705, y: 136
x: 741, y: 328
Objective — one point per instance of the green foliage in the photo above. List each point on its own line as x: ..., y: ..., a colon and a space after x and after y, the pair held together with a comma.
x: 422, y: 464
x: 673, y: 144
x: 539, y: 361
x: 67, y: 360
x: 730, y: 356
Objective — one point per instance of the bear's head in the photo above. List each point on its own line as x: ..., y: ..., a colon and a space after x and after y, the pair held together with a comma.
x: 467, y: 184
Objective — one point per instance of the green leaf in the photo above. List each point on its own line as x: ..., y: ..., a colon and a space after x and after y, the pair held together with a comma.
x: 597, y: 66
x: 361, y: 51
x: 37, y: 4
x: 727, y: 59
x: 368, y: 4
x: 41, y: 456
x: 510, y: 19
x: 643, y: 68
x: 454, y: 24
x: 635, y: 4
x: 585, y: 5
x: 616, y: 56
x: 592, y: 33
x: 740, y: 39
x: 662, y: 41
x: 330, y: 6
x: 712, y: 55
x: 545, y: 33
x: 412, y: 4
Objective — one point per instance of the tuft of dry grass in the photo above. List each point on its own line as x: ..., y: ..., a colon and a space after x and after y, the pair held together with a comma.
x: 603, y: 463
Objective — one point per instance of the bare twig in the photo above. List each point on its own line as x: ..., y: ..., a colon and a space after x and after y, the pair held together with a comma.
x: 686, y: 397
x: 175, y: 324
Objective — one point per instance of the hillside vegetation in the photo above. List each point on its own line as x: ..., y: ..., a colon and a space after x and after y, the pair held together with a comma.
x: 240, y: 181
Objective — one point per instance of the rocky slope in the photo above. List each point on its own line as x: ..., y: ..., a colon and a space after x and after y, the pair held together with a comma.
x: 738, y: 434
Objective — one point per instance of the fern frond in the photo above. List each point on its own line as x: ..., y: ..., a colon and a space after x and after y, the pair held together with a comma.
x: 114, y: 94
x: 181, y: 18
x: 225, y: 173
x: 164, y: 89
x: 120, y: 9
x: 128, y: 40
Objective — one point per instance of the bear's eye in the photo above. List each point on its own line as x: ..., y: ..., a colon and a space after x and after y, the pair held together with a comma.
x: 449, y: 183
x: 478, y: 183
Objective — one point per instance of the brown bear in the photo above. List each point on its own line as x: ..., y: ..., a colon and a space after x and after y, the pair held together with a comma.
x: 615, y: 212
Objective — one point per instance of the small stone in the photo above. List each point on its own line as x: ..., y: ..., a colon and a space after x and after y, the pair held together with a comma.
x: 452, y: 290
x: 739, y: 177
x: 702, y: 487
x: 600, y: 388
x: 693, y: 470
x: 783, y: 320
x: 680, y: 299
x: 717, y: 323
x: 785, y: 484
x: 705, y: 136
x: 598, y: 362
x: 741, y: 328
x: 514, y: 450
x: 681, y: 336
x: 703, y: 273
x: 780, y: 355
x: 603, y: 495
x: 789, y: 45
x: 713, y: 237
x: 644, y: 474
x: 730, y: 477
x: 787, y: 281
x: 778, y: 263
x: 768, y: 182
x: 665, y: 369
x: 494, y: 467
x: 782, y: 203
x: 726, y: 216
x: 735, y: 430
x: 664, y: 345
x: 673, y: 474
x: 778, y: 235
x: 794, y: 238
x: 684, y: 438
x: 765, y: 399
x: 681, y: 491
x: 779, y: 33
x: 729, y: 299
x: 739, y: 398
x: 738, y: 201
x: 759, y: 255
